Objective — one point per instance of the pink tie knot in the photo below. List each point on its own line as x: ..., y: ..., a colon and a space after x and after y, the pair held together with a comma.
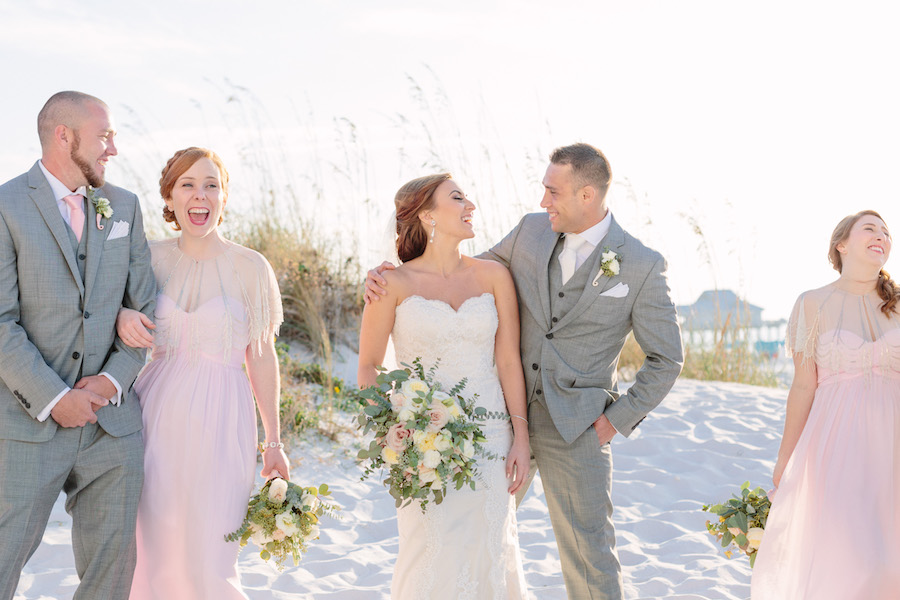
x: 75, y: 203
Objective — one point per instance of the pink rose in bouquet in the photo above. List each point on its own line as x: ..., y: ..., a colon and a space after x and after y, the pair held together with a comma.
x: 397, y: 437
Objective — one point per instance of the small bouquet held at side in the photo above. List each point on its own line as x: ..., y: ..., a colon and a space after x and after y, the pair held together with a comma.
x: 742, y: 520
x: 428, y: 438
x: 282, y: 519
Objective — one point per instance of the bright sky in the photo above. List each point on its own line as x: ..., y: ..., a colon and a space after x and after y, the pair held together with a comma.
x: 764, y: 122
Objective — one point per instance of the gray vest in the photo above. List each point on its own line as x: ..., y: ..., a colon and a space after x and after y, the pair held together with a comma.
x: 564, y: 297
x: 80, y: 258
x: 80, y: 248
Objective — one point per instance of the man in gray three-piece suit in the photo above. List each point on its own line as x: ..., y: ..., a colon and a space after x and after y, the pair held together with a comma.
x: 583, y: 284
x: 68, y: 418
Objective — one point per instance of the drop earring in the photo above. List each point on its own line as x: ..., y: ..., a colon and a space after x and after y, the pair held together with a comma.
x: 431, y: 239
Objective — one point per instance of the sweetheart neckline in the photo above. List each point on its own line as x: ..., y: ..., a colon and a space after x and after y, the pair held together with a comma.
x: 444, y: 302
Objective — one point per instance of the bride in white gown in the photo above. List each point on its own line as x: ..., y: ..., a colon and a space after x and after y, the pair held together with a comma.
x: 460, y: 313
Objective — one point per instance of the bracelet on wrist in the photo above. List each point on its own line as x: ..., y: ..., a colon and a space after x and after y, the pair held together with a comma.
x: 263, y: 446
x: 518, y: 417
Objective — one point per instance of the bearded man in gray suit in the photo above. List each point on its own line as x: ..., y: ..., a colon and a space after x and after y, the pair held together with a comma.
x: 68, y: 418
x: 583, y: 284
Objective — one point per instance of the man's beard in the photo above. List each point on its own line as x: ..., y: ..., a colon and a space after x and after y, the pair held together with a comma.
x: 93, y: 179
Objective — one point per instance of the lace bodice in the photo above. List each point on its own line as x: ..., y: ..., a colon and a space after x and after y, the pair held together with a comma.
x: 214, y: 307
x: 460, y: 341
x: 846, y: 334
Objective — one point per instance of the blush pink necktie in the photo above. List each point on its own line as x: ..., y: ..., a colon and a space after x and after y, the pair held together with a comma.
x: 76, y: 213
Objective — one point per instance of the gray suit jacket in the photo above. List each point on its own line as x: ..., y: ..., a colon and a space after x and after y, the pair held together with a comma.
x: 54, y: 327
x: 570, y: 363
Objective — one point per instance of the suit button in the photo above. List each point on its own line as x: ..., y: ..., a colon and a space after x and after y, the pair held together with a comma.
x: 561, y: 295
x: 539, y: 392
x: 27, y: 405
x: 549, y: 336
x: 534, y: 366
x: 87, y: 315
x: 554, y: 319
x: 76, y: 356
x: 81, y: 257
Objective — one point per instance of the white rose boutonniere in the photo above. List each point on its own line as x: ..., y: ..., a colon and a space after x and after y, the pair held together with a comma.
x: 609, y: 263
x: 101, y: 206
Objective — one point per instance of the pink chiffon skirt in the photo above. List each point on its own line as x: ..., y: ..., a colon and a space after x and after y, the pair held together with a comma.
x: 200, y: 456
x: 833, y: 532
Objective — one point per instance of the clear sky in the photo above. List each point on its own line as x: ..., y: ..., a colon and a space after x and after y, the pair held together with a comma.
x: 762, y: 123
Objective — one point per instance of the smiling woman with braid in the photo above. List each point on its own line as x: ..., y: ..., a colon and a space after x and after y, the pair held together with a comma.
x: 835, y: 520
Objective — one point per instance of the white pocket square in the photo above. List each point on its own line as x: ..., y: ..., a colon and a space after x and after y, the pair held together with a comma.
x: 620, y: 290
x: 119, y: 230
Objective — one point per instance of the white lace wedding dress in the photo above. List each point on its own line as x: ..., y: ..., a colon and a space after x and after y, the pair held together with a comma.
x: 466, y: 547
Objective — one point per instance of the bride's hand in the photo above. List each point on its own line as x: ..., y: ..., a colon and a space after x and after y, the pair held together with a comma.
x: 275, y: 464
x: 518, y: 463
x: 133, y: 327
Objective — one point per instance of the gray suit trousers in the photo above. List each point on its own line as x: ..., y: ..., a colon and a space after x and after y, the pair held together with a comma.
x: 577, y: 480
x: 102, y: 476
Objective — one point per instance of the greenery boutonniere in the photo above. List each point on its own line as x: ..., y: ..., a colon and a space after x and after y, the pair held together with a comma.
x: 609, y: 264
x: 101, y: 205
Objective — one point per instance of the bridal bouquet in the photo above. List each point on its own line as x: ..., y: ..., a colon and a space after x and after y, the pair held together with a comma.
x: 742, y: 520
x: 282, y: 519
x: 428, y: 438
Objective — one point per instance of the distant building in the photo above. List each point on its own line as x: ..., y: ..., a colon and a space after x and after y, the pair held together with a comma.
x: 721, y: 316
x: 715, y: 308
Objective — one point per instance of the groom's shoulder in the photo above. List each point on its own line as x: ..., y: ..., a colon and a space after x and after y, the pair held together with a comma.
x: 114, y: 192
x: 537, y: 219
x: 534, y: 223
x: 16, y: 185
x: 638, y: 248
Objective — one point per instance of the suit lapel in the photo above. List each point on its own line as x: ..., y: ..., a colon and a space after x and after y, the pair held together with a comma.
x: 547, y: 243
x: 42, y: 196
x: 614, y: 239
x: 94, y: 245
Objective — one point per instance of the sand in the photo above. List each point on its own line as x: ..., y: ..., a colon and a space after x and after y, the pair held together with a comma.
x: 697, y: 447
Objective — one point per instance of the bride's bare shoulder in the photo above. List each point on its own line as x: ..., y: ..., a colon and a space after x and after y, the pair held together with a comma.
x: 399, y: 280
x: 488, y: 269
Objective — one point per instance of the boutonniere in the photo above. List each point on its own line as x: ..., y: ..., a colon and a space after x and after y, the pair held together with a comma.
x: 609, y: 265
x: 609, y: 262
x: 101, y: 206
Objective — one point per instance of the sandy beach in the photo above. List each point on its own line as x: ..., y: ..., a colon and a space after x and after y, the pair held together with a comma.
x: 697, y: 447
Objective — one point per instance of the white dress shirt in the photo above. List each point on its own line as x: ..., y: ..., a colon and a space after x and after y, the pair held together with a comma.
x: 592, y: 236
x: 60, y: 191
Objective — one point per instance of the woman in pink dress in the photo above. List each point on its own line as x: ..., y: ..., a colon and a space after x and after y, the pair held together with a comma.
x: 218, y: 308
x: 834, y: 526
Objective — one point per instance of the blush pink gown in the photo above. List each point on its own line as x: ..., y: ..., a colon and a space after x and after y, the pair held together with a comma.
x: 199, y: 421
x: 833, y: 532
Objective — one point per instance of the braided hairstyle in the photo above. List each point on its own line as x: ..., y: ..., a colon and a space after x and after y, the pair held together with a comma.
x: 411, y: 199
x: 887, y: 288
x: 176, y: 166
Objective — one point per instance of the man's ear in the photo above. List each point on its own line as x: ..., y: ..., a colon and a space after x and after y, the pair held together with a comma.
x: 587, y: 194
x: 63, y: 136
